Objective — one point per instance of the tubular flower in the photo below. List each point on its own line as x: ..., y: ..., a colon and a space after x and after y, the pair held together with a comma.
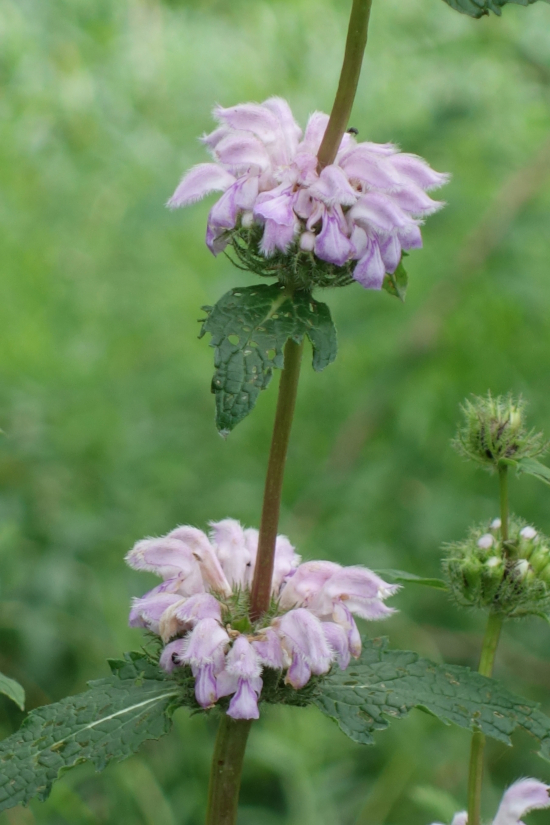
x: 200, y: 612
x: 365, y: 209
x: 520, y: 798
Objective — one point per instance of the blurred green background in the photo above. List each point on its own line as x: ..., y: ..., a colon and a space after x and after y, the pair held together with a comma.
x: 107, y: 418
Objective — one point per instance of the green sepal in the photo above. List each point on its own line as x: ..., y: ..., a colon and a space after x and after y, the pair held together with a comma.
x: 384, y: 684
x: 479, y: 8
x: 249, y: 328
x: 396, y: 284
x: 107, y: 723
x: 532, y: 467
x: 13, y: 690
x: 402, y: 577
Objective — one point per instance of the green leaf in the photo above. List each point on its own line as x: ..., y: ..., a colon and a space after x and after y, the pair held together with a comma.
x: 402, y: 577
x: 532, y: 467
x: 385, y: 684
x: 479, y: 8
x: 13, y: 690
x: 396, y: 284
x: 249, y: 328
x: 108, y: 722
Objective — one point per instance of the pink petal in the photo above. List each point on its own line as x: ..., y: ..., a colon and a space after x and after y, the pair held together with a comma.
x: 169, y: 558
x: 390, y: 251
x: 203, y: 642
x: 338, y: 641
x: 373, y: 170
x: 278, y: 209
x: 276, y: 236
x: 269, y: 650
x: 240, y: 151
x: 199, y: 182
x: 414, y: 200
x: 147, y: 612
x: 249, y: 117
x: 343, y: 617
x: 290, y: 129
x: 410, y: 237
x: 331, y: 244
x: 211, y: 140
x: 333, y: 187
x: 232, y: 550
x: 370, y: 269
x: 216, y: 240
x: 306, y: 583
x: 242, y: 660
x: 171, y: 655
x: 315, y: 131
x: 199, y: 545
x: 522, y: 797
x: 186, y: 613
x: 244, y: 704
x: 299, y: 672
x: 378, y: 211
x: 372, y: 609
x: 226, y: 683
x: 205, y: 686
x: 418, y: 171
x: 286, y: 560
x: 357, y: 582
x: 302, y: 633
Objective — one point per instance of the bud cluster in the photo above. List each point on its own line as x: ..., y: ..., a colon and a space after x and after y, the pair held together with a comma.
x: 200, y: 612
x: 509, y: 577
x: 494, y: 431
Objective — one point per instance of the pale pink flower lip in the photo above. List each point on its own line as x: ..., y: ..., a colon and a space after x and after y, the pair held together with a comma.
x: 523, y: 796
x: 268, y: 172
x: 311, y: 626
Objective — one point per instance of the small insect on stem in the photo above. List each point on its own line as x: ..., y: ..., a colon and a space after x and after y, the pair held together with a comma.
x: 353, y: 131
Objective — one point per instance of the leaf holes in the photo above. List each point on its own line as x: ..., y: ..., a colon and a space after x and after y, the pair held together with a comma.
x: 271, y: 354
x: 233, y: 339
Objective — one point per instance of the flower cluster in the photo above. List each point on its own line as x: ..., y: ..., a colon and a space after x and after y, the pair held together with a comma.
x: 366, y: 208
x: 510, y: 577
x: 200, y: 611
x: 520, y: 798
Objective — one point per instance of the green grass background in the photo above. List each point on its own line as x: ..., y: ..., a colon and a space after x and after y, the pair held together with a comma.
x: 107, y: 418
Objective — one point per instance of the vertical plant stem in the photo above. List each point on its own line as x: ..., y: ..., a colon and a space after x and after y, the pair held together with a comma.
x: 486, y: 664
x: 347, y: 86
x: 475, y: 778
x: 288, y: 387
x: 225, y: 774
x: 504, y: 515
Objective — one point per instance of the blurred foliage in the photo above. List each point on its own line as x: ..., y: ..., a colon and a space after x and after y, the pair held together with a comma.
x: 107, y: 418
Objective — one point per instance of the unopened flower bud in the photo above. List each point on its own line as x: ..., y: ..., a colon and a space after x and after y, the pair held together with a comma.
x: 486, y: 542
x: 496, y: 524
x: 539, y: 558
x: 528, y: 533
x: 494, y: 431
x: 521, y: 568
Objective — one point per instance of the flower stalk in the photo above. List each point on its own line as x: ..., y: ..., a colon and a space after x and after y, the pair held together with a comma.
x: 486, y: 665
x: 232, y: 735
x: 226, y: 770
x: 347, y: 86
x: 288, y: 388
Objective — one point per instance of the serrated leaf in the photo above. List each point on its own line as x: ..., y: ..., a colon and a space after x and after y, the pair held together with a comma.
x: 108, y: 722
x: 479, y: 8
x: 396, y: 284
x: 388, y: 683
x: 402, y: 577
x: 13, y: 690
x: 532, y: 467
x: 249, y: 328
